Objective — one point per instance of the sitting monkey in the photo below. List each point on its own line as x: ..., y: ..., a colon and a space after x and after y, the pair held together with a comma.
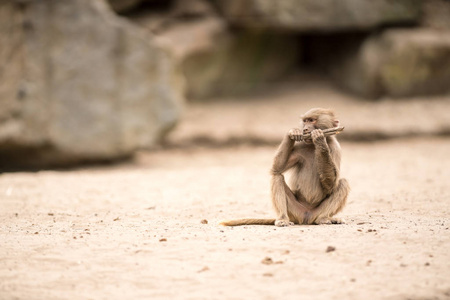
x: 315, y: 192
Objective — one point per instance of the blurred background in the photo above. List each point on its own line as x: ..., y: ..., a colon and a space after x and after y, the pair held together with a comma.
x: 96, y: 80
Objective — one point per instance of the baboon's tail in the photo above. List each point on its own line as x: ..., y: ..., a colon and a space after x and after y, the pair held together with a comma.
x: 248, y: 222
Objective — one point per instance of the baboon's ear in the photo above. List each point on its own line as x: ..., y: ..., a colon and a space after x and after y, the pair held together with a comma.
x: 336, y: 123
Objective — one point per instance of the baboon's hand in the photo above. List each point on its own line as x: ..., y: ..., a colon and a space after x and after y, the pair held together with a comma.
x: 295, y: 134
x: 318, y: 137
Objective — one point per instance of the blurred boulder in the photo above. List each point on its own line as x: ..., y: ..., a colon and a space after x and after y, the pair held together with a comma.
x: 396, y: 63
x: 214, y: 60
x: 436, y: 14
x: 192, y: 8
x: 323, y: 15
x: 121, y: 6
x: 79, y: 84
x: 240, y: 63
x: 178, y: 14
x: 125, y: 6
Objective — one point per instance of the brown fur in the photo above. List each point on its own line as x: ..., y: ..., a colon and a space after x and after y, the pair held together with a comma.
x: 315, y: 192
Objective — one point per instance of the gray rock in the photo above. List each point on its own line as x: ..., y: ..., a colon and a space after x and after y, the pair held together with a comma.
x: 192, y: 8
x: 436, y: 14
x: 127, y: 6
x: 397, y: 63
x: 121, y: 6
x: 240, y: 63
x: 323, y: 15
x: 79, y: 84
x: 216, y: 62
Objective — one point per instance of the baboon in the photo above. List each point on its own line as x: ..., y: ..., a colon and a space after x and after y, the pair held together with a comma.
x: 315, y: 192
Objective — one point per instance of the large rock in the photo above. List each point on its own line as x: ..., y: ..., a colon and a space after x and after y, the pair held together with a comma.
x: 178, y: 14
x: 121, y: 6
x: 240, y: 63
x: 79, y: 84
x: 436, y: 14
x: 323, y: 15
x: 192, y: 8
x: 396, y: 63
x: 216, y: 62
x: 126, y: 6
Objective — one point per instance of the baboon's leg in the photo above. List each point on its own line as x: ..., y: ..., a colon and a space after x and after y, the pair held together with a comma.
x: 330, y: 206
x: 288, y: 208
x: 284, y: 160
x: 280, y: 195
x: 297, y: 207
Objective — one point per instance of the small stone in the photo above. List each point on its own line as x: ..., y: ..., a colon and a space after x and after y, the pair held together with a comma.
x: 330, y: 249
x: 267, y: 261
x: 204, y: 221
x: 203, y: 269
x: 163, y: 240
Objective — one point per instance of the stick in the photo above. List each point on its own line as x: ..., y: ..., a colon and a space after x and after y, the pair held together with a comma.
x: 326, y: 132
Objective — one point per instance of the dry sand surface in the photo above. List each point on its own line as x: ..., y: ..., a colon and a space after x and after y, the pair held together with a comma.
x: 135, y: 230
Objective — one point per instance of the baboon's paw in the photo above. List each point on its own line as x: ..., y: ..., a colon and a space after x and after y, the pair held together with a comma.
x: 324, y: 221
x: 337, y: 221
x: 329, y: 221
x: 283, y: 223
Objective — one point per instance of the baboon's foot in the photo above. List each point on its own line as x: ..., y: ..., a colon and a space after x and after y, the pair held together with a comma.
x: 283, y: 223
x: 328, y: 221
x: 337, y: 221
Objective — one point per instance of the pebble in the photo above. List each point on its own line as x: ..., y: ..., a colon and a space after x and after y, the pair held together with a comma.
x: 267, y: 261
x: 330, y: 249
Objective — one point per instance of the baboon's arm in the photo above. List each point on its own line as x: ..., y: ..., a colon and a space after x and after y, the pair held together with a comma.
x: 285, y: 157
x: 326, y: 165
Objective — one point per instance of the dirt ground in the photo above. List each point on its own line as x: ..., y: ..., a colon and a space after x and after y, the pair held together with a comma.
x: 135, y: 231
x: 148, y: 228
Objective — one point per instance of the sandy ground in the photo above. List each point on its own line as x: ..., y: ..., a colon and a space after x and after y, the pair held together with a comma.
x: 135, y: 231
